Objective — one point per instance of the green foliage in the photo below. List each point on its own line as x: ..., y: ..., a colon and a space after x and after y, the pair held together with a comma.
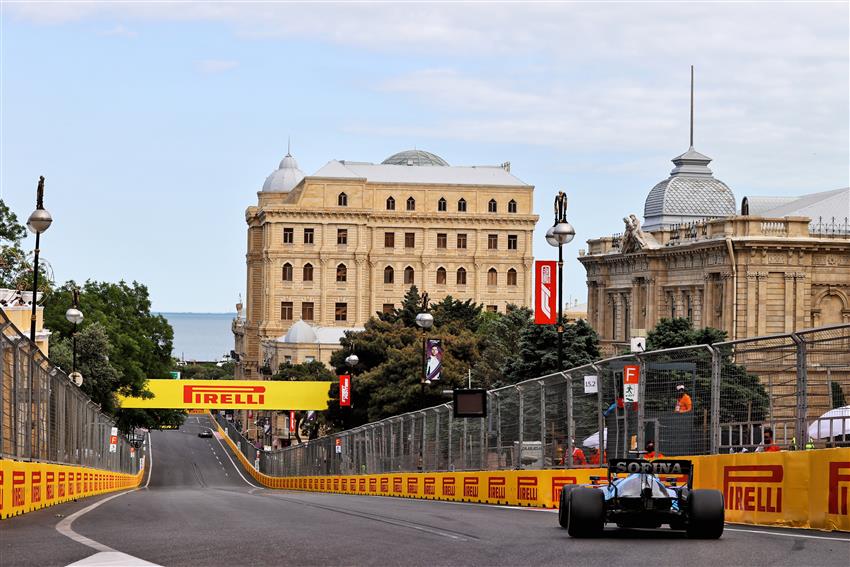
x: 100, y: 377
x: 538, y: 350
x: 11, y: 230
x: 15, y: 269
x: 309, y: 423
x: 206, y: 371
x: 679, y: 332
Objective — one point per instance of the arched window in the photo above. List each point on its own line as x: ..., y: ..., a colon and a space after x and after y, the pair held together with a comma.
x: 408, y: 275
x: 461, y: 206
x: 441, y: 204
x: 287, y: 272
x: 389, y: 275
x: 492, y: 206
x: 441, y: 276
x: 492, y: 277
x: 390, y: 204
x: 342, y: 200
x: 411, y: 204
x: 341, y: 273
x: 511, y: 206
x: 307, y: 272
x: 461, y: 276
x: 511, y: 277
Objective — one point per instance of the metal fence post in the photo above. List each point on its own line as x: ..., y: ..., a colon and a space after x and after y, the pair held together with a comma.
x: 641, y: 413
x: 520, y: 428
x: 716, y: 367
x: 570, y: 430
x: 543, y: 422
x: 600, y: 419
x: 450, y: 464
x: 498, y: 430
x: 801, y: 433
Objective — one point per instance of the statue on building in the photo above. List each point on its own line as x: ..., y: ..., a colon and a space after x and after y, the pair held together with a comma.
x: 634, y: 238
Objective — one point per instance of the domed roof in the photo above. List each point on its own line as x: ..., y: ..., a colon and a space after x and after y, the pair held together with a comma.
x: 283, y: 179
x: 415, y: 157
x: 301, y: 332
x: 690, y: 193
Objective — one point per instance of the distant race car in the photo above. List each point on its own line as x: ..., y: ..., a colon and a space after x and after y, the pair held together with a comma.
x: 642, y: 494
x: 206, y: 433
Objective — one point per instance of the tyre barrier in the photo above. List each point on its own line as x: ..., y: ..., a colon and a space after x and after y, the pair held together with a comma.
x: 28, y: 486
x: 806, y: 489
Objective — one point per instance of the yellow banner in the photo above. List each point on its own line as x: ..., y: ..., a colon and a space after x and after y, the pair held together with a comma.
x: 232, y: 394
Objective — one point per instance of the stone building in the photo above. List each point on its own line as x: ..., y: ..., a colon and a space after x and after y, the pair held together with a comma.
x: 17, y: 305
x: 333, y: 248
x: 781, y: 264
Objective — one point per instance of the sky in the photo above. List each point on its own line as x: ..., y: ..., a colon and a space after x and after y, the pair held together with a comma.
x: 155, y: 123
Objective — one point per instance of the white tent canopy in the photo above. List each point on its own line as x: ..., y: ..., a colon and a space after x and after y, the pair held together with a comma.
x: 833, y: 423
x: 593, y: 440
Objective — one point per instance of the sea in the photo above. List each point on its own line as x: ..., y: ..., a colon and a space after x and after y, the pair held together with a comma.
x: 201, y: 336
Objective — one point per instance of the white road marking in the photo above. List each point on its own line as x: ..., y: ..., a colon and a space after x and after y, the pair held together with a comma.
x: 791, y: 534
x: 226, y: 454
x: 112, y: 559
x: 149, y: 460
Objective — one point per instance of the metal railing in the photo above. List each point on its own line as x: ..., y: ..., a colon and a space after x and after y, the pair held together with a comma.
x: 737, y: 389
x: 45, y: 417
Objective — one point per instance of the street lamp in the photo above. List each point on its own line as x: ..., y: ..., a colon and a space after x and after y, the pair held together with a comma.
x: 39, y: 221
x: 75, y: 317
x: 561, y: 232
x: 424, y: 321
x: 352, y: 360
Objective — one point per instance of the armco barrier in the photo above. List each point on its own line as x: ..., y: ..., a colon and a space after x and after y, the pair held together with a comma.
x: 799, y: 489
x: 26, y: 486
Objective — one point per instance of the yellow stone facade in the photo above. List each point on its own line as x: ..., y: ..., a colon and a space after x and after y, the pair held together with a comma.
x: 335, y: 249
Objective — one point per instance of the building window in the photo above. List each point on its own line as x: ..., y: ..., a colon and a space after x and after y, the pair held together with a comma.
x: 441, y: 204
x: 492, y: 206
x: 342, y: 200
x: 342, y: 236
x: 388, y: 308
x: 492, y: 242
x: 286, y: 310
x: 288, y: 359
x: 492, y: 308
x: 511, y: 277
x: 441, y: 276
x: 512, y: 242
x: 307, y: 310
x: 309, y: 359
x: 288, y: 235
x: 492, y: 276
x: 390, y: 204
x: 613, y: 319
x: 411, y: 204
x: 461, y: 276
x: 307, y: 272
x: 341, y: 273
x: 689, y: 307
x: 309, y: 236
x: 441, y: 240
x: 627, y: 320
x: 461, y: 240
x: 408, y: 275
x: 389, y: 240
x: 287, y: 272
x: 410, y: 240
x: 511, y: 206
x: 341, y: 312
x: 389, y: 275
x: 461, y: 206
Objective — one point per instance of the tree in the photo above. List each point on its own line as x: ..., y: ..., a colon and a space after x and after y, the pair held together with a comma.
x: 310, y: 423
x: 100, y: 377
x: 15, y: 268
x: 679, y: 332
x: 538, y: 350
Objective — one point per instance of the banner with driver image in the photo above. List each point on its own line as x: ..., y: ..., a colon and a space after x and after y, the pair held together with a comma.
x: 433, y: 360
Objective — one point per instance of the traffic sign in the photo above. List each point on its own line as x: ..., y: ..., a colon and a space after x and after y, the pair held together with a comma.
x: 591, y: 385
x: 113, y: 440
x: 631, y: 381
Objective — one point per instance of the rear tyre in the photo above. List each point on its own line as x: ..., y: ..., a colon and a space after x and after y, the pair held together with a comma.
x: 564, y: 505
x: 707, y: 515
x: 586, y: 512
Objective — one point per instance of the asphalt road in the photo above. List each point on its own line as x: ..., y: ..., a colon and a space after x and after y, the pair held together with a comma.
x: 198, y: 510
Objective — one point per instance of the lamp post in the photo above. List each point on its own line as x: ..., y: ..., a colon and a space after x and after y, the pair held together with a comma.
x: 561, y: 232
x: 75, y: 317
x: 425, y: 321
x: 38, y: 222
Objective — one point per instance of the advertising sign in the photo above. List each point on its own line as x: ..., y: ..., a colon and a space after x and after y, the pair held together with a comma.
x: 433, y: 360
x: 292, y: 421
x: 232, y: 394
x: 545, y: 303
x: 339, y: 446
x: 591, y: 385
x: 345, y: 390
x: 113, y: 440
x: 631, y: 379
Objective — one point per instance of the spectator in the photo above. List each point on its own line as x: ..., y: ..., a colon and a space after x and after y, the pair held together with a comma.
x: 683, y: 403
x: 651, y: 453
x: 578, y: 456
x: 594, y: 456
x: 768, y: 445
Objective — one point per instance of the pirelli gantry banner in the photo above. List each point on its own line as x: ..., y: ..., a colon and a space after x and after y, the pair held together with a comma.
x: 232, y: 394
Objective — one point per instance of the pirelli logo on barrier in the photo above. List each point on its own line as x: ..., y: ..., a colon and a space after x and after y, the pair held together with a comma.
x: 2, y: 488
x: 412, y: 485
x: 51, y: 485
x: 526, y: 488
x: 753, y: 488
x: 336, y: 484
x: 429, y: 486
x: 449, y: 486
x: 35, y: 487
x: 385, y: 484
x: 397, y: 484
x: 497, y: 487
x: 839, y: 483
x: 558, y: 482
x: 373, y: 484
x: 362, y: 485
x: 470, y: 487
x: 19, y: 481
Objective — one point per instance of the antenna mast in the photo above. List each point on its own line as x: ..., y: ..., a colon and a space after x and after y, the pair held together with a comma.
x: 692, y: 106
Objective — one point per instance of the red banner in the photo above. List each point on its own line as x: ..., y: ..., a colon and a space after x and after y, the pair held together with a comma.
x: 292, y: 421
x: 345, y: 390
x: 545, y: 302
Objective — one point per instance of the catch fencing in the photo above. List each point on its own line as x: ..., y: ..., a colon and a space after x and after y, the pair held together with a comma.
x: 46, y: 418
x: 794, y: 384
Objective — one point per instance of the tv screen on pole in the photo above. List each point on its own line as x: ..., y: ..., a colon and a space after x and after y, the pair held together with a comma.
x: 470, y: 403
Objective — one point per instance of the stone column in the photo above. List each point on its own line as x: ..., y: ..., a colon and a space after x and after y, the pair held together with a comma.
x: 651, y: 304
x: 636, y: 311
x: 707, y: 312
x: 750, y: 325
x: 762, y: 300
x: 790, y: 306
x: 802, y: 292
x: 696, y: 305
x: 602, y: 308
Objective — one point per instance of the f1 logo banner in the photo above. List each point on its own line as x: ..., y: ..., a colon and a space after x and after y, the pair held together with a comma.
x: 345, y: 390
x: 232, y: 394
x: 545, y: 303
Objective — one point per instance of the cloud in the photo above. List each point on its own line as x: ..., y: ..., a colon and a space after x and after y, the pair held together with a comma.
x: 120, y: 31
x: 211, y: 66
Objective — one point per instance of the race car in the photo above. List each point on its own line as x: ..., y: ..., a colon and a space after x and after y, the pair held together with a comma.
x: 642, y: 494
x: 205, y: 433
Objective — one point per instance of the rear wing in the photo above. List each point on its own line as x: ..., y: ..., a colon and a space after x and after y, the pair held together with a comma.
x: 658, y: 467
